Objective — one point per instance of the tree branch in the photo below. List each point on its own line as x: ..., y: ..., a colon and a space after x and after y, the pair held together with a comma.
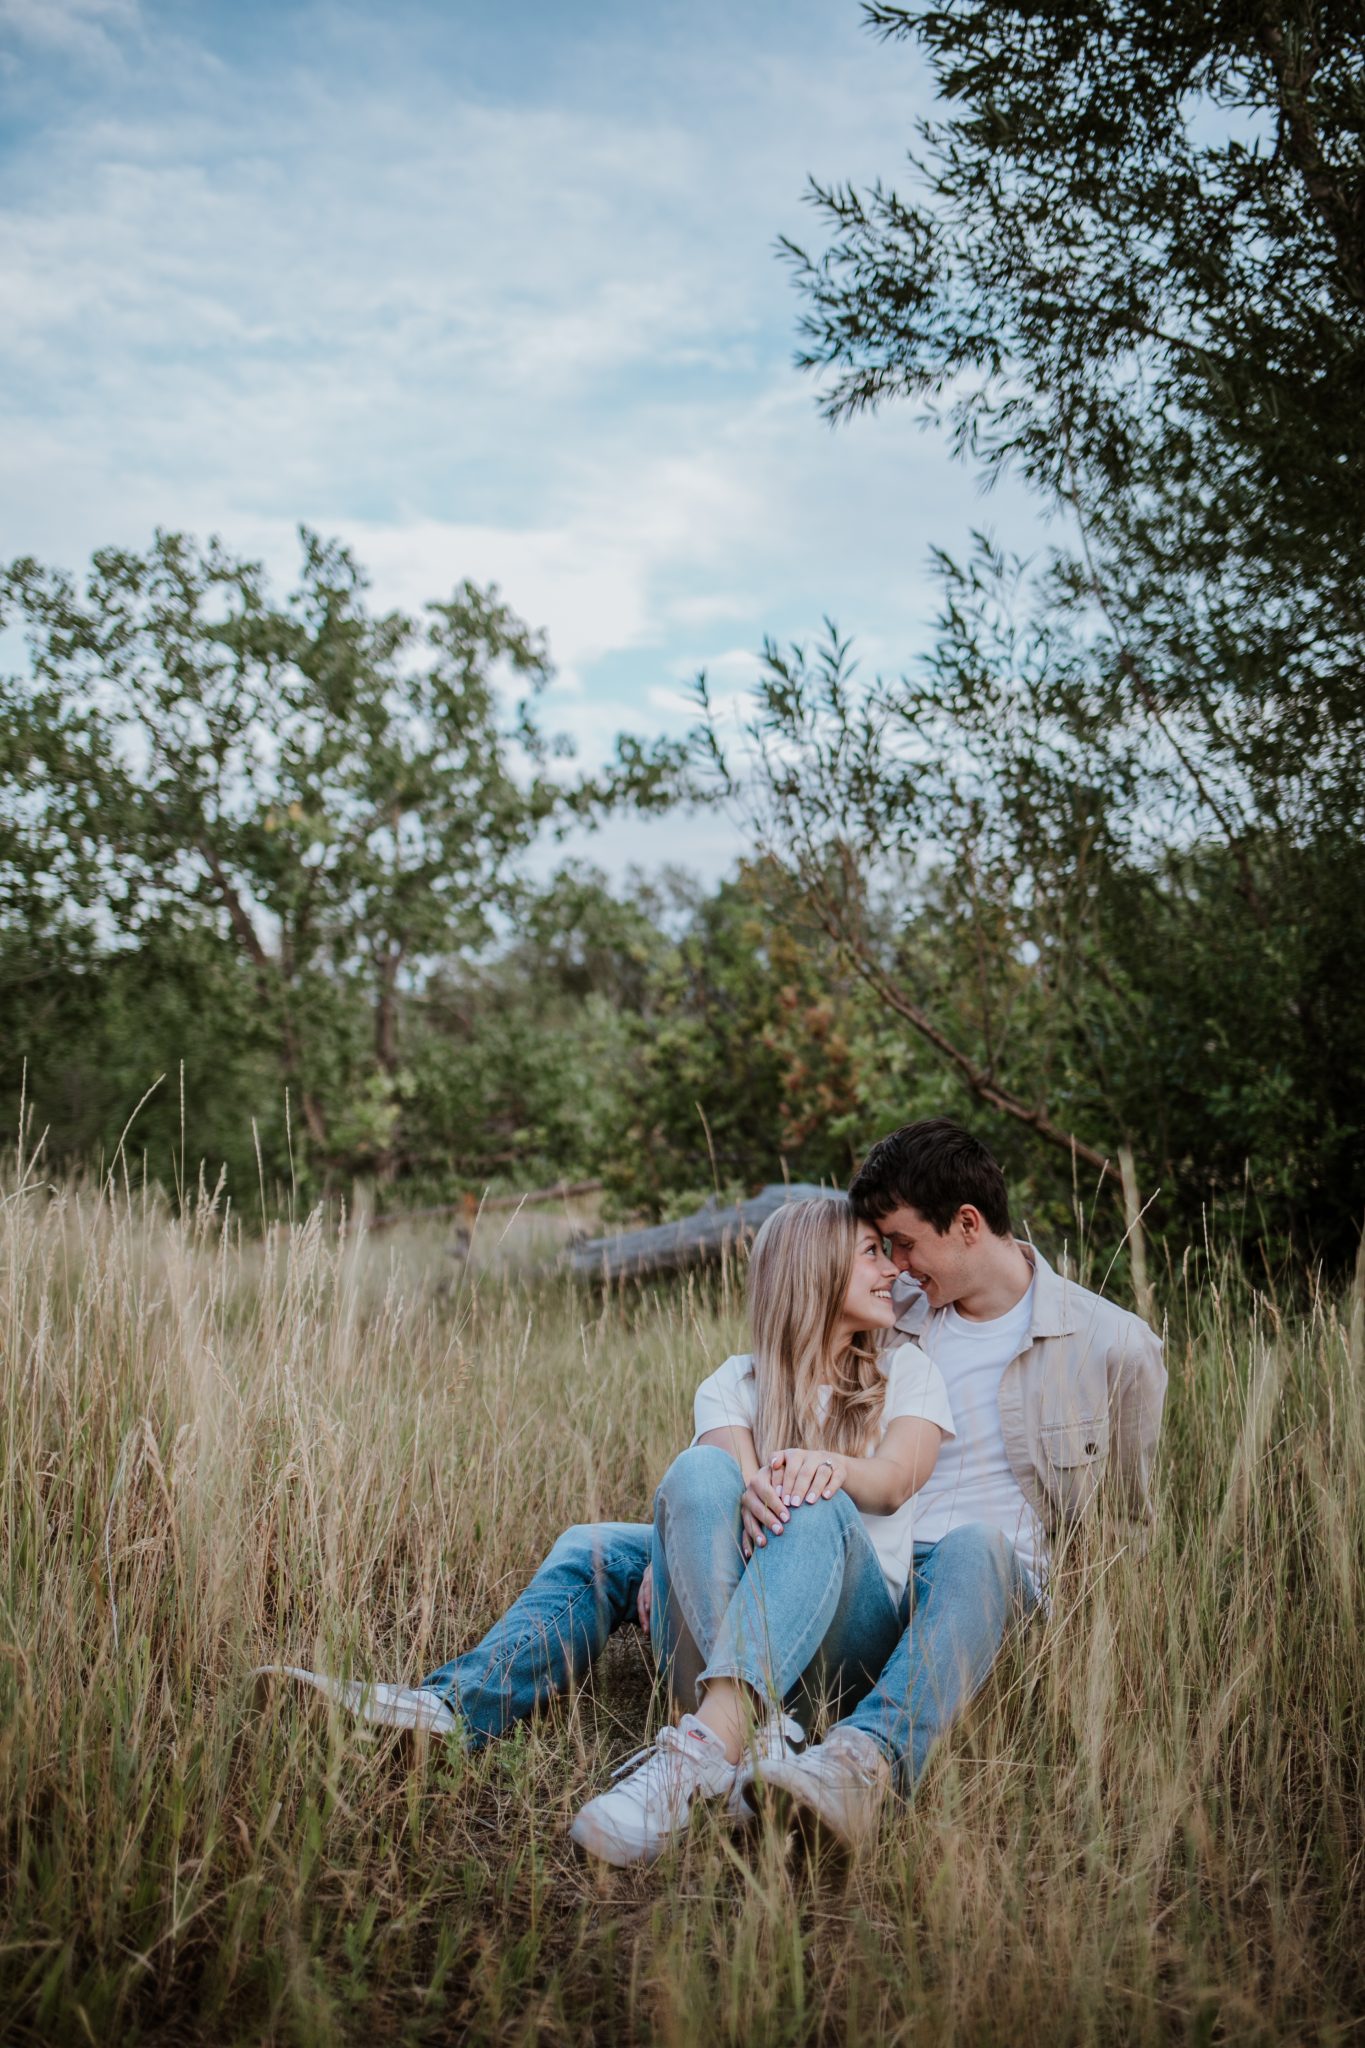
x: 1133, y: 670
x: 979, y: 1082
x: 1299, y: 131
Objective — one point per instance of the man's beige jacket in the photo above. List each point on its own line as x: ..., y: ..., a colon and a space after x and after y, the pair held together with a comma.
x: 1081, y: 1407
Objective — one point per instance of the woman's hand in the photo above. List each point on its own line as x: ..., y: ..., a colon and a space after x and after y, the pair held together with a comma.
x: 644, y: 1599
x: 805, y: 1476
x: 761, y: 1508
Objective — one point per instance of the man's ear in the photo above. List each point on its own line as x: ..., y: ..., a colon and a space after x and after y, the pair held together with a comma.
x: 972, y: 1223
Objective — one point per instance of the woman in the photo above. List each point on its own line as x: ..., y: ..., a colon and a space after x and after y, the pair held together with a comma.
x: 816, y: 1593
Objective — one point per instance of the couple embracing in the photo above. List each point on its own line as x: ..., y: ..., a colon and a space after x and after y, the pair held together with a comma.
x: 870, y: 1503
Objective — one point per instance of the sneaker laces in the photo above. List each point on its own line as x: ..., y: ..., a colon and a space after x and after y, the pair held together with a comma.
x: 850, y: 1758
x: 770, y: 1736
x: 673, y: 1754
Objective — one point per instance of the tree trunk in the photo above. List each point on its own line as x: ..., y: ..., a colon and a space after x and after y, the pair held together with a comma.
x: 386, y: 1012
x: 274, y: 994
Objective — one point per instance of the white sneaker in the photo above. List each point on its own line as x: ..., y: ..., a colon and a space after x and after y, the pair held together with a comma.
x: 637, y: 1819
x: 378, y: 1706
x: 834, y: 1792
x: 775, y: 1738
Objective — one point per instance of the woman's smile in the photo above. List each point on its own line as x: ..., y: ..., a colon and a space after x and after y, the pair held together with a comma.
x: 867, y: 1302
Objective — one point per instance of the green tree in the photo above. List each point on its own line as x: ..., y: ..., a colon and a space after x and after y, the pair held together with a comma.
x: 1134, y: 268
x: 84, y: 1035
x: 1131, y: 264
x: 756, y: 1053
x: 517, y: 1057
x: 339, y: 796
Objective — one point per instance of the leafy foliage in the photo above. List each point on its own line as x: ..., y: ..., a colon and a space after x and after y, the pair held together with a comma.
x: 1092, y: 873
x: 1127, y: 787
x: 338, y: 796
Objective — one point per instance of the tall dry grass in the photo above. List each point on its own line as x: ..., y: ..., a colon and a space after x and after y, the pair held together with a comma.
x: 219, y: 1454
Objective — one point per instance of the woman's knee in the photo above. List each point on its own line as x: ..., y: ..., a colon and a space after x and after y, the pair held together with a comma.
x: 699, y: 1478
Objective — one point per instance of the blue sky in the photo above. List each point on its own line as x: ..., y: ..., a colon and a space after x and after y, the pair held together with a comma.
x: 488, y: 291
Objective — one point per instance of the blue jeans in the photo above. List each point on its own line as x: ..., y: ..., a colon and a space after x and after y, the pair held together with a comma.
x: 809, y: 1612
x: 587, y: 1586
x: 962, y: 1595
x: 964, y: 1592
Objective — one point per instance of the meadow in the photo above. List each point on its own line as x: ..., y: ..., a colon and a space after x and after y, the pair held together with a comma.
x: 350, y: 1451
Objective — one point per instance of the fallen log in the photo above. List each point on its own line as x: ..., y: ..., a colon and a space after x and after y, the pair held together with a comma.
x: 696, y: 1240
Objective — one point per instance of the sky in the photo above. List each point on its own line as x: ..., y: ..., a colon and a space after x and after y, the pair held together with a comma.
x: 487, y: 291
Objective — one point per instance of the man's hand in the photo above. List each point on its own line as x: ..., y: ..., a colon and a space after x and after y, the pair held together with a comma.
x: 805, y: 1476
x: 761, y: 1508
x: 644, y: 1599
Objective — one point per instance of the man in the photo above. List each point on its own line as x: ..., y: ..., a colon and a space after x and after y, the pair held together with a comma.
x: 1057, y: 1397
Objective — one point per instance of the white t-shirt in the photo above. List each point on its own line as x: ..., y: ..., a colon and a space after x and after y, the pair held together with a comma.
x: 914, y: 1386
x: 973, y: 1480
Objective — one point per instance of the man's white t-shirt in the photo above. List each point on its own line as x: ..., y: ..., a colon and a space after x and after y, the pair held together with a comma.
x: 973, y: 1480
x: 914, y: 1387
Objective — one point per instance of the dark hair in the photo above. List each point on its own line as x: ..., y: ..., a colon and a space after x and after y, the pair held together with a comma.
x: 934, y: 1166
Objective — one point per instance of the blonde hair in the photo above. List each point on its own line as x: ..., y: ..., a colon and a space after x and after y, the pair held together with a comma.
x: 799, y: 1272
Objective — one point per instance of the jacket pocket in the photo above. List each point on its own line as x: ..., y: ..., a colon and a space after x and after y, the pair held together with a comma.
x: 1073, y: 1455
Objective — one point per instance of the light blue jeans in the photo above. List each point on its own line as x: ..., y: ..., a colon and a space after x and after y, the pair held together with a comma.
x: 587, y: 1586
x: 963, y: 1593
x: 810, y: 1612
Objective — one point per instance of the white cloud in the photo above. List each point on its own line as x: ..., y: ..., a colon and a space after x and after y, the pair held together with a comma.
x: 82, y: 28
x: 730, y: 676
x: 537, y: 340
x: 706, y: 840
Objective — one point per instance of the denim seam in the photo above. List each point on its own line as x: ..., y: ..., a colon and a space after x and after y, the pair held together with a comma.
x: 540, y: 1629
x: 675, y: 1590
